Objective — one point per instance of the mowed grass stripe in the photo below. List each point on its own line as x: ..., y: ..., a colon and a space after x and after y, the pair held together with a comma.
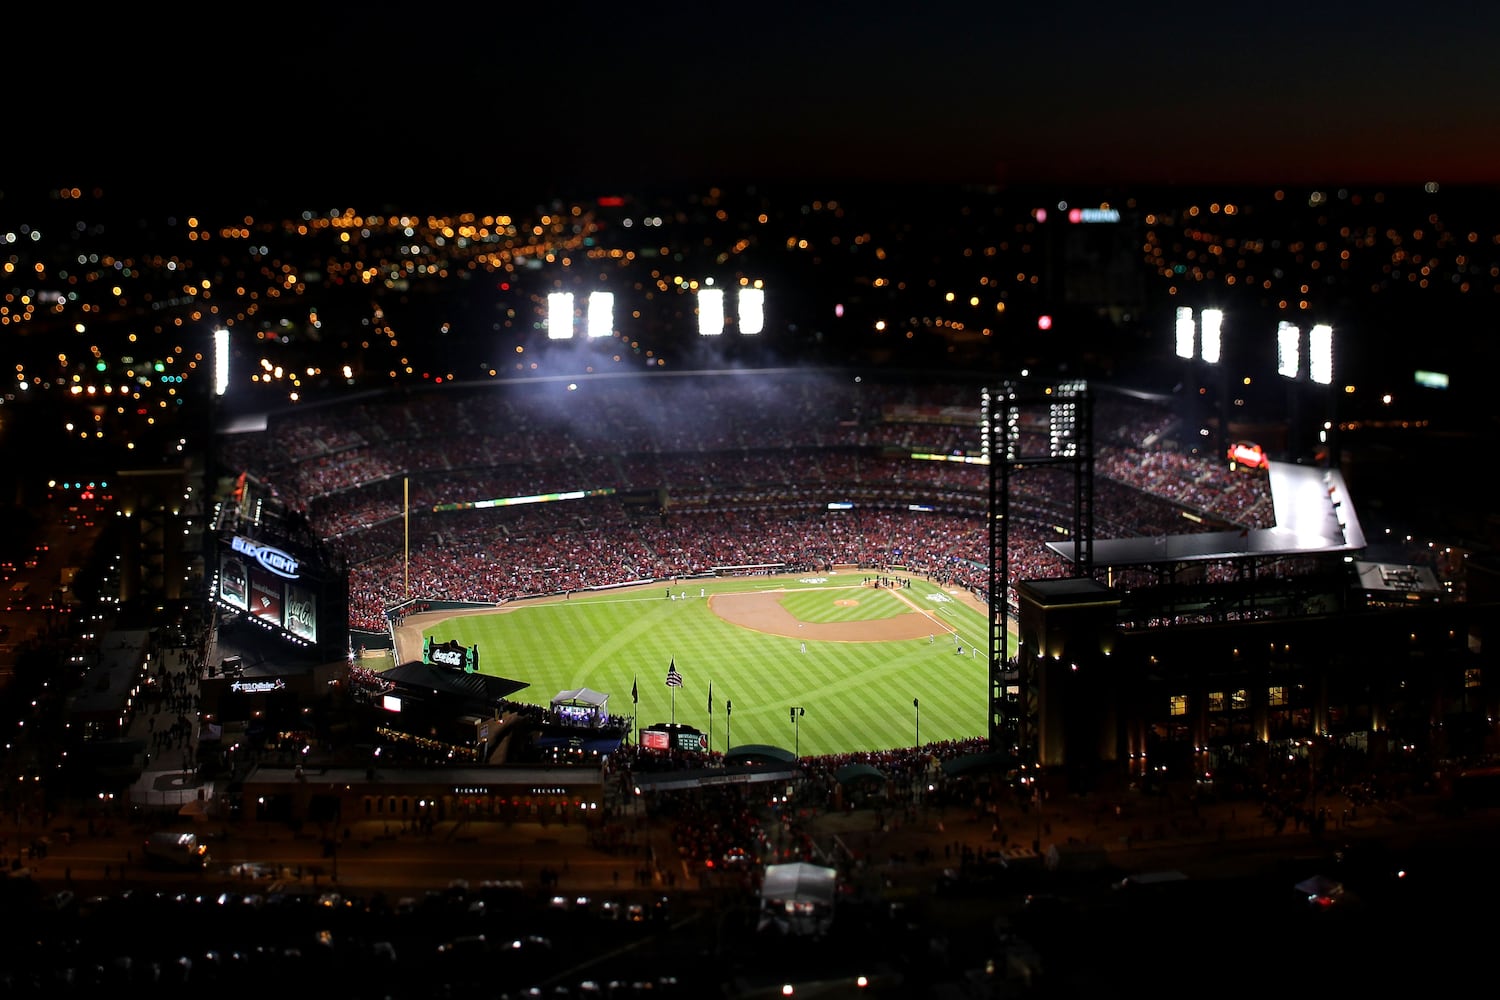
x: 857, y: 694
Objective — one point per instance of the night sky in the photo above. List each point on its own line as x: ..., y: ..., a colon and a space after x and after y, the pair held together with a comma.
x: 583, y: 98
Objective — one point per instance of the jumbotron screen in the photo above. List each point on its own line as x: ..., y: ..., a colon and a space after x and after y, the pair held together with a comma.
x: 270, y: 584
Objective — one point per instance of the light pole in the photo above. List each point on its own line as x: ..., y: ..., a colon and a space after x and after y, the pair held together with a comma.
x: 797, y: 713
x: 917, y: 707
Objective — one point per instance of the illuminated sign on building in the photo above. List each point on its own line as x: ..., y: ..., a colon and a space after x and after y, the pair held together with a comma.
x: 1077, y: 215
x: 451, y: 654
x: 1248, y: 454
x: 257, y: 687
x: 273, y: 559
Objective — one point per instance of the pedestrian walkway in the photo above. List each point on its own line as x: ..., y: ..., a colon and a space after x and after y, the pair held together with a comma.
x: 168, y: 724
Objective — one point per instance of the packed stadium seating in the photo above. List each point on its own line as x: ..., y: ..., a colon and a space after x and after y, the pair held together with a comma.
x: 691, y: 474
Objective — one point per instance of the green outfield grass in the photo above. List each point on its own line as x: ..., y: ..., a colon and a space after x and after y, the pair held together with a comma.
x: 857, y: 695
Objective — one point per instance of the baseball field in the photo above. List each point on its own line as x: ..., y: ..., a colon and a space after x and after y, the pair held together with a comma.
x: 853, y: 656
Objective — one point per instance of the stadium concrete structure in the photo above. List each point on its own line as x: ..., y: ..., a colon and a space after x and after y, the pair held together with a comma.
x: 1235, y: 640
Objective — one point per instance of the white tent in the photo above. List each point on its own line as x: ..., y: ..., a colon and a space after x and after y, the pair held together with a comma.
x: 1321, y: 890
x: 798, y: 898
x: 581, y: 706
x: 581, y: 698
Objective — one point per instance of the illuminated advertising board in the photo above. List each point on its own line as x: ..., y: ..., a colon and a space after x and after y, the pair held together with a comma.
x: 450, y: 654
x: 283, y: 588
x: 301, y: 612
x: 278, y: 561
x: 675, y: 736
x: 265, y: 596
x: 1248, y: 454
x: 234, y: 581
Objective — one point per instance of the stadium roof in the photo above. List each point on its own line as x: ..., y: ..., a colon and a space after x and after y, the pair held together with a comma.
x: 704, y: 777
x: 446, y: 680
x: 1313, y: 514
x: 1398, y: 578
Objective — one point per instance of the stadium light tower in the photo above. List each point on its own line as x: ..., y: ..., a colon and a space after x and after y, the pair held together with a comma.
x: 1211, y: 323
x: 601, y: 315
x: 1203, y: 342
x: 752, y: 309
x: 560, y: 316
x: 1320, y: 354
x: 1184, y: 331
x: 710, y: 312
x: 1317, y: 371
x: 221, y: 361
x: 1288, y: 349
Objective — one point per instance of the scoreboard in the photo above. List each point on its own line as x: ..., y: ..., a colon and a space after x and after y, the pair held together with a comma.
x: 305, y: 600
x: 673, y: 736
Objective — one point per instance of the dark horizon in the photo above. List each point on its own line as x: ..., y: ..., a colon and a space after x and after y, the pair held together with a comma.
x: 541, y: 102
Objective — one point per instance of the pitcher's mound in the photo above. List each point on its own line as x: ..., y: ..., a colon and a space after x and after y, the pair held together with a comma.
x: 763, y: 612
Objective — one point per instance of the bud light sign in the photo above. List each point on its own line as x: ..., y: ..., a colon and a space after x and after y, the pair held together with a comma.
x: 273, y: 559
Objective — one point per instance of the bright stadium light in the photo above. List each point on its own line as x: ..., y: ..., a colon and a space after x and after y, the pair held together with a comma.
x: 601, y: 320
x: 1211, y: 322
x: 1288, y: 359
x: 221, y: 362
x: 560, y: 316
x: 1320, y: 354
x: 1184, y: 332
x: 710, y: 312
x: 752, y: 303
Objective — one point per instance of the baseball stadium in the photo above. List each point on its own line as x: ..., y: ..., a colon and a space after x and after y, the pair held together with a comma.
x: 799, y: 562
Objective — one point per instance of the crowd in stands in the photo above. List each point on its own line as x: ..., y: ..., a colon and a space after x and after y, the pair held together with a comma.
x: 695, y: 474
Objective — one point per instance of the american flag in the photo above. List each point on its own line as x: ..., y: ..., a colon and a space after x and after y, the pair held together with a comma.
x: 674, y: 679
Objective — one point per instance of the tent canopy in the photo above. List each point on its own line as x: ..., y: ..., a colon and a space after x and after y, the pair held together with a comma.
x: 799, y: 883
x: 977, y: 763
x: 580, y: 698
x: 858, y: 772
x: 1320, y: 885
x: 759, y: 753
